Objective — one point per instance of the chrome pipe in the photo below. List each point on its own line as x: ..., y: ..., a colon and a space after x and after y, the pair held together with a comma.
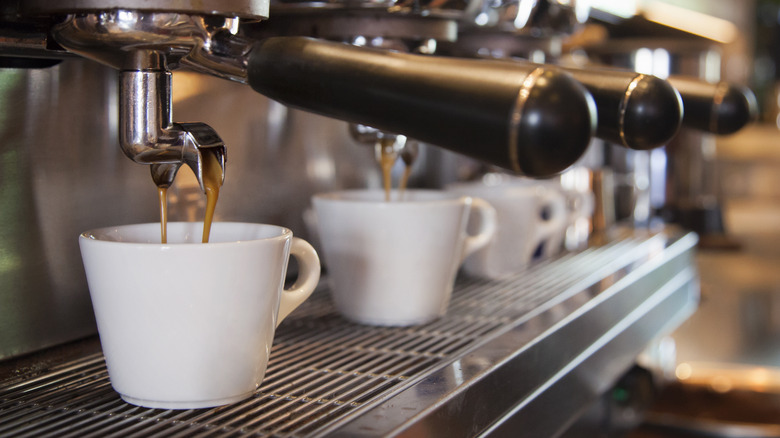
x: 147, y: 134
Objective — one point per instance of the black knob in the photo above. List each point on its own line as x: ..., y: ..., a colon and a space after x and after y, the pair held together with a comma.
x: 719, y: 108
x: 634, y: 110
x: 529, y: 118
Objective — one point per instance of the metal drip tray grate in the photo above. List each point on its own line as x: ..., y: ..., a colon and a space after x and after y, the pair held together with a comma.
x: 325, y: 372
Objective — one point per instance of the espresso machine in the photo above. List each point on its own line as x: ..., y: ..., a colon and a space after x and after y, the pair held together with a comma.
x: 145, y: 45
x: 281, y: 91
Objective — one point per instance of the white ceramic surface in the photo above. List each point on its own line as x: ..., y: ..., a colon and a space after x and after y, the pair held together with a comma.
x: 531, y: 225
x: 394, y: 263
x: 186, y: 324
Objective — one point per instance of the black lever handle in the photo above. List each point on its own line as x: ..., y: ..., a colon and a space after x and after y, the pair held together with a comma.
x: 634, y: 110
x: 719, y: 108
x: 529, y: 118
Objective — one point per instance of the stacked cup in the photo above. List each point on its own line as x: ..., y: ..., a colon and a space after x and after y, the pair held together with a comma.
x: 532, y: 218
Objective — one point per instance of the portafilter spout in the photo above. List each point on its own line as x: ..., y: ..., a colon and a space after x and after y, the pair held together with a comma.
x: 147, y: 134
x: 144, y: 47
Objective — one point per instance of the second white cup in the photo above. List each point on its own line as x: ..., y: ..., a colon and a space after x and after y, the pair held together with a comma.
x: 394, y: 263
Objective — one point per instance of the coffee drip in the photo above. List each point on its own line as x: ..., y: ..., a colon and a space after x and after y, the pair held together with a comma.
x: 162, y: 193
x: 408, y: 155
x: 212, y: 181
x: 388, y: 150
x: 387, y: 154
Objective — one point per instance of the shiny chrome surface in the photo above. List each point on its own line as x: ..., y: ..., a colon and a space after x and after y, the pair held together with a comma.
x: 143, y: 45
x: 147, y: 135
x: 232, y: 8
x: 368, y: 25
x: 525, y: 354
x: 537, y: 18
x: 62, y: 173
x: 537, y: 372
x: 424, y: 8
x: 134, y: 40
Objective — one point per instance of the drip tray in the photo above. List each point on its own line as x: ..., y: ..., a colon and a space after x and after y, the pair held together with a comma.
x: 527, y: 353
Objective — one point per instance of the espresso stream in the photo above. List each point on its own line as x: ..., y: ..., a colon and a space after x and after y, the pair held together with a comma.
x: 162, y: 193
x: 387, y: 158
x: 404, y: 181
x: 212, y: 181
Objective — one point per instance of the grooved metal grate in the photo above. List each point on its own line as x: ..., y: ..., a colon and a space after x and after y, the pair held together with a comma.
x: 322, y: 370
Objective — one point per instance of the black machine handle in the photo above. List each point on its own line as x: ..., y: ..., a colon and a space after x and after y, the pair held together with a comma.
x: 719, y: 108
x: 529, y: 118
x: 634, y: 110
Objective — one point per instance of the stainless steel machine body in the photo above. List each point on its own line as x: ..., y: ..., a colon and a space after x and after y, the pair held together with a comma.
x: 282, y: 155
x: 59, y: 133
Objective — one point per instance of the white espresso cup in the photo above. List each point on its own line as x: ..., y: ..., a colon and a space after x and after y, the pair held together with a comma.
x: 531, y: 226
x: 394, y: 263
x: 188, y: 324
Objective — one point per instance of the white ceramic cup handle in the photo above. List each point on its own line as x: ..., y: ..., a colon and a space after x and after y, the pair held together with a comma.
x: 555, y: 224
x: 487, y: 228
x: 557, y: 220
x: 308, y: 277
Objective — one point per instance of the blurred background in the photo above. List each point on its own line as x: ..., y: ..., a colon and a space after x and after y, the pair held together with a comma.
x: 728, y: 352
